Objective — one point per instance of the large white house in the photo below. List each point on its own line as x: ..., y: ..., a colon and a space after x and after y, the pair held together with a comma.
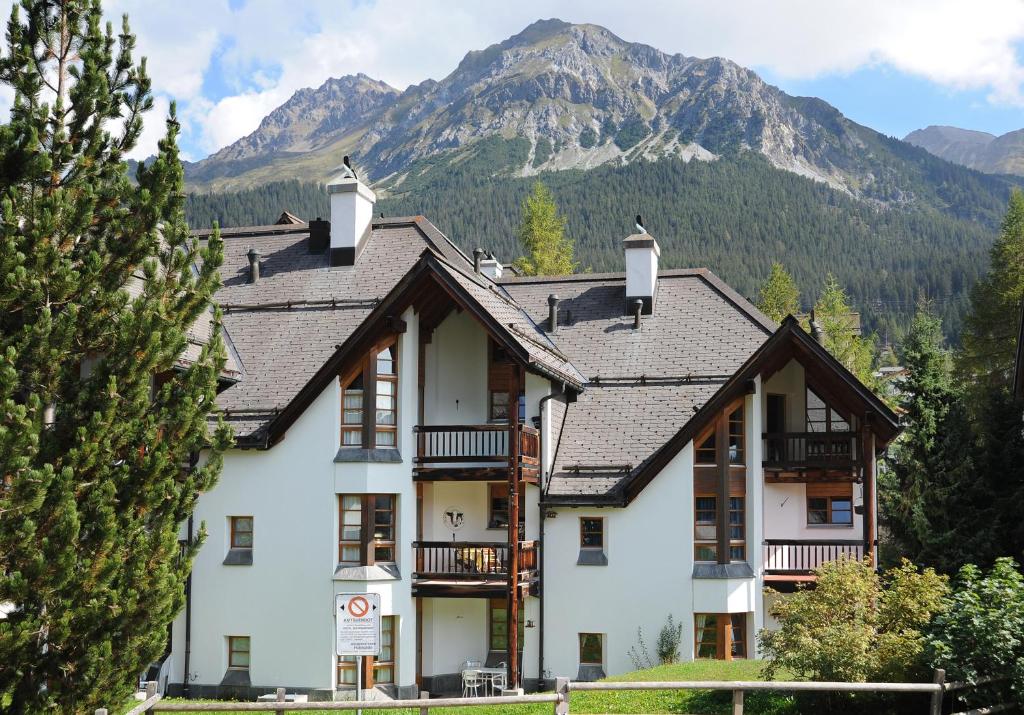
x: 527, y: 470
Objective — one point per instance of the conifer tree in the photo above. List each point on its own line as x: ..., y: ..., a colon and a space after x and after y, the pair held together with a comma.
x: 542, y: 235
x: 834, y: 314
x: 990, y: 329
x: 935, y: 509
x: 100, y: 284
x: 779, y: 295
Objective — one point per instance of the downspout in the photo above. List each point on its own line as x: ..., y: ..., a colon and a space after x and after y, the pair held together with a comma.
x: 540, y: 544
x: 188, y: 620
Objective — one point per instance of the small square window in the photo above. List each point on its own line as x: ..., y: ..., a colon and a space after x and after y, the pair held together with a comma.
x: 591, y: 649
x: 238, y: 652
x: 591, y: 533
x: 241, y: 532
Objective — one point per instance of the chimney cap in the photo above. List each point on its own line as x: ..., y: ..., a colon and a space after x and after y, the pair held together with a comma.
x: 553, y: 299
x: 253, y: 253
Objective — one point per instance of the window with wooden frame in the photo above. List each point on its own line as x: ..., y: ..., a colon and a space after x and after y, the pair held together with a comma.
x: 705, y: 530
x: 721, y: 636
x: 707, y: 452
x: 591, y: 532
x: 241, y: 532
x: 369, y: 417
x: 375, y: 670
x: 497, y: 505
x: 497, y: 626
x: 366, y: 525
x: 592, y: 649
x: 830, y: 504
x: 238, y: 652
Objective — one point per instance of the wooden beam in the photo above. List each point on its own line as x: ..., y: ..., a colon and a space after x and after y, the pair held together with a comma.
x: 518, y: 379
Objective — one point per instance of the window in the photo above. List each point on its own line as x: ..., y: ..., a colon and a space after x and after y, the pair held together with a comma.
x: 366, y: 529
x: 384, y: 663
x: 822, y: 417
x: 499, y: 406
x: 591, y: 649
x: 241, y: 532
x: 705, y: 533
x: 591, y: 532
x: 720, y: 635
x: 386, y: 432
x: 830, y: 504
x: 705, y: 530
x: 706, y: 449
x: 380, y: 402
x: 238, y: 652
x: 379, y: 670
x: 498, y: 505
x: 497, y: 626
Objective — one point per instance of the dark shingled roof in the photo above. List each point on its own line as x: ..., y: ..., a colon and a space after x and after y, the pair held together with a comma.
x: 288, y: 324
x: 644, y: 385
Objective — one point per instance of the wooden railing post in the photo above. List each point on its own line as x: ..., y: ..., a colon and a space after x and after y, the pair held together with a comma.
x: 562, y: 690
x: 150, y: 692
x: 737, y: 702
x: 280, y: 698
x: 939, y: 679
x: 424, y: 710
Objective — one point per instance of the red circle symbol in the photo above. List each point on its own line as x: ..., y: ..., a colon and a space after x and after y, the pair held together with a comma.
x: 358, y: 606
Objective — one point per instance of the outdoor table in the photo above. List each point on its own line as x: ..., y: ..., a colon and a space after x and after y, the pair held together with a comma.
x: 488, y: 676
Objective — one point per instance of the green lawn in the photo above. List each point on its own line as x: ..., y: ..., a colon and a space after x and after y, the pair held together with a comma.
x: 697, y: 702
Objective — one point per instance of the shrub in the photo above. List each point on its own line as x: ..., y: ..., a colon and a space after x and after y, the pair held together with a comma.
x: 855, y: 625
x: 638, y: 653
x: 981, y: 633
x: 669, y: 639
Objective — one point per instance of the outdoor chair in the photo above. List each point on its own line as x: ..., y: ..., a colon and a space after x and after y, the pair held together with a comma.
x: 471, y: 683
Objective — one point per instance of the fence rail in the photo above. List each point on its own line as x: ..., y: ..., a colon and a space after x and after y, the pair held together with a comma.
x: 561, y: 697
x: 451, y: 444
x: 821, y: 450
x: 470, y: 560
x: 797, y: 556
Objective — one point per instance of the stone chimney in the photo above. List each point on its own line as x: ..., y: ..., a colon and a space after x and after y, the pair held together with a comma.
x: 642, y: 254
x: 351, y: 216
x: 491, y: 268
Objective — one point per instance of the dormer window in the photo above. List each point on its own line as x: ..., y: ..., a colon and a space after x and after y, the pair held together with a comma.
x: 369, y: 418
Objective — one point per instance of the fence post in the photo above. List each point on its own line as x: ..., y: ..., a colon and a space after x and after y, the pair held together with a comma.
x: 150, y: 692
x: 939, y: 679
x: 281, y: 697
x: 562, y: 690
x: 424, y: 695
x: 737, y: 702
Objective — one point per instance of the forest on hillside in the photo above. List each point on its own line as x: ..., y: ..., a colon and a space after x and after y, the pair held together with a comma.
x: 734, y: 216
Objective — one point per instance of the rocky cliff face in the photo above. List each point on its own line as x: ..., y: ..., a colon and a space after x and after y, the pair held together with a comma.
x: 566, y: 96
x: 977, y: 150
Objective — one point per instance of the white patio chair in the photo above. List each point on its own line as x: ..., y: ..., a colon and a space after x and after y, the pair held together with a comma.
x: 471, y: 683
x: 499, y: 682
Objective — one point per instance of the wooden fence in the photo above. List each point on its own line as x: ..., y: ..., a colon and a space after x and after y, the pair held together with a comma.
x: 560, y: 699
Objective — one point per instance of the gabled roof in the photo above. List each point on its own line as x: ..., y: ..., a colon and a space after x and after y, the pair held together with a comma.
x: 507, y: 325
x: 789, y: 341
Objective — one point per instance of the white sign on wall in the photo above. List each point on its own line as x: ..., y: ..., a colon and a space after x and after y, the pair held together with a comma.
x: 358, y: 621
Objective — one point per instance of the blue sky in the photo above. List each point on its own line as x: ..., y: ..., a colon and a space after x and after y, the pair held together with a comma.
x: 893, y: 65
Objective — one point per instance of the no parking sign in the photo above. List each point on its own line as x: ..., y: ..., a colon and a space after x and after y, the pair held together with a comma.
x: 358, y: 618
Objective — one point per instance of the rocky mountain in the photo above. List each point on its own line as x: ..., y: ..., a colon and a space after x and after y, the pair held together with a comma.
x: 562, y: 96
x: 977, y: 150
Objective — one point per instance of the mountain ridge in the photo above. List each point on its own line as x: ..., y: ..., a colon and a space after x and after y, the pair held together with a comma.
x: 1003, y: 154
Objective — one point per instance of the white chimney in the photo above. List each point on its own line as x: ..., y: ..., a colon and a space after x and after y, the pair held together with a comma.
x: 351, y: 216
x: 642, y: 254
x: 491, y: 268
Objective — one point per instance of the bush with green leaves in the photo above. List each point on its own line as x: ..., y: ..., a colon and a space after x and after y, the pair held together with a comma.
x: 981, y: 633
x: 855, y: 625
x: 669, y: 639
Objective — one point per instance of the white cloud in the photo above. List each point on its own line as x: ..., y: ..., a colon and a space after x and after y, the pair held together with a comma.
x: 270, y: 48
x: 153, y: 130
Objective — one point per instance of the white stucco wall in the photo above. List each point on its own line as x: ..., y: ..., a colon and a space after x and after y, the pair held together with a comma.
x: 455, y: 381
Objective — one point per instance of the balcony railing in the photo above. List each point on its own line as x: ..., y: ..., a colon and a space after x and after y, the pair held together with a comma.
x: 794, y: 557
x: 812, y: 450
x: 475, y: 445
x: 469, y: 560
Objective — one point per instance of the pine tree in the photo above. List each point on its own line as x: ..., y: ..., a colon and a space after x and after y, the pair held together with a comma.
x: 933, y: 507
x: 779, y: 295
x: 542, y: 235
x: 990, y: 329
x: 834, y: 314
x: 100, y: 283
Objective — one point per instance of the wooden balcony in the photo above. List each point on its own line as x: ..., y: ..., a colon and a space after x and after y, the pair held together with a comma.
x: 811, y: 456
x: 470, y: 569
x: 474, y: 452
x: 794, y: 560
